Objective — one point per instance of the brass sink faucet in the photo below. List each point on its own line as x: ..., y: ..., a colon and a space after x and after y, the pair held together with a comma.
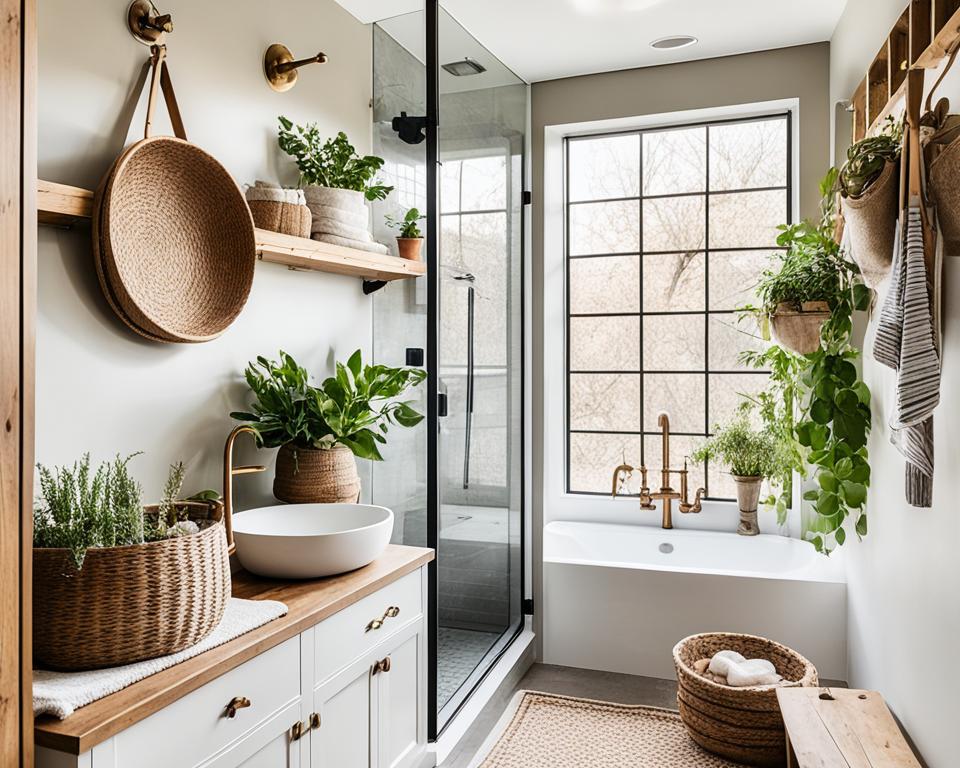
x: 666, y: 495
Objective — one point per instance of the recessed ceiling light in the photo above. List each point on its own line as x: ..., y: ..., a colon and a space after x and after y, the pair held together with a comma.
x: 674, y: 41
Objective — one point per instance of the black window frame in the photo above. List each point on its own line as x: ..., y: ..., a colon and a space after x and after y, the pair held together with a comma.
x: 782, y: 115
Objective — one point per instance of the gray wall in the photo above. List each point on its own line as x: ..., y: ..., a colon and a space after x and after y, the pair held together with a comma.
x: 904, y: 578
x: 801, y: 72
x: 99, y: 387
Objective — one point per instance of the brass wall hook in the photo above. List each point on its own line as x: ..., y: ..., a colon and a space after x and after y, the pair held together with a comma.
x: 280, y: 68
x: 146, y: 23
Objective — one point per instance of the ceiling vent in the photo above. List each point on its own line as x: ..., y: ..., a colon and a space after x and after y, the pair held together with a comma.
x: 673, y: 42
x: 464, y: 68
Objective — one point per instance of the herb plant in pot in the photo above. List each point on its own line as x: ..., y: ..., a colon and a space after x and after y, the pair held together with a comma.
x: 320, y: 430
x: 410, y: 239
x: 115, y: 582
x: 336, y: 182
x: 751, y: 455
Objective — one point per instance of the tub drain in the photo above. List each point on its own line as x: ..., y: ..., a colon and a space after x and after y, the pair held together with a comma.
x: 666, y: 548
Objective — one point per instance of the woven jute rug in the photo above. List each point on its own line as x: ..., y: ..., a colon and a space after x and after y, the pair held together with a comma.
x: 549, y: 731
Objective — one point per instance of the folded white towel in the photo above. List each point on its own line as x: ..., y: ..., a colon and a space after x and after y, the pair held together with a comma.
x: 60, y: 693
x: 741, y: 672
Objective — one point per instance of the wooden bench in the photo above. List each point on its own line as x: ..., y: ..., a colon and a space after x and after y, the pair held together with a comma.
x: 841, y: 728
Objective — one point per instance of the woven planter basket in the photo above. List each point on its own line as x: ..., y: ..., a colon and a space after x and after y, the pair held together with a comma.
x: 127, y: 604
x: 279, y: 210
x: 871, y: 220
x: 173, y: 237
x: 944, y: 185
x: 310, y: 475
x: 800, y: 331
x: 741, y: 724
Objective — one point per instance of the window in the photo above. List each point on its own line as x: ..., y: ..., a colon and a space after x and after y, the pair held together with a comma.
x: 667, y: 231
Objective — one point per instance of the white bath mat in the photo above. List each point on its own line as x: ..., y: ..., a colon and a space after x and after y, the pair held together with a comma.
x: 61, y: 693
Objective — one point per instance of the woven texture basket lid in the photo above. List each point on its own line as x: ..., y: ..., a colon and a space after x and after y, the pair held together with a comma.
x: 174, y: 236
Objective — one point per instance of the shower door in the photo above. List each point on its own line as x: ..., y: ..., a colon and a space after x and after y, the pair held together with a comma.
x: 455, y: 482
x: 482, y: 122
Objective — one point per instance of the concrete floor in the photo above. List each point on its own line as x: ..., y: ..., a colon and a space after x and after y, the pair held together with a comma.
x: 569, y: 681
x: 586, y: 683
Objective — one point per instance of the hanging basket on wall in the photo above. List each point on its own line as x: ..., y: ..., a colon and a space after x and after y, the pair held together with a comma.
x: 871, y: 221
x: 799, y: 331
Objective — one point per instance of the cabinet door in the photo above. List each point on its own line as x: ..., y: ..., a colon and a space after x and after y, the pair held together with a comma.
x: 345, y: 737
x: 271, y: 745
x: 401, y: 700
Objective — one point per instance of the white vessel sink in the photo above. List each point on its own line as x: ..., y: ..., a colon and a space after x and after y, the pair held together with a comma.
x: 306, y: 541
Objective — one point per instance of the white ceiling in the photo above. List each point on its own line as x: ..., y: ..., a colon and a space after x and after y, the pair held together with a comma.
x: 547, y: 39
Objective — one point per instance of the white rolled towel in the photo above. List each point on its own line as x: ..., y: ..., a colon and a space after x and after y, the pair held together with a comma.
x: 371, y: 247
x: 325, y: 225
x: 741, y: 672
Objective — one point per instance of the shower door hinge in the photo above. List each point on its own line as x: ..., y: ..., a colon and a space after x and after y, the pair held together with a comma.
x: 527, y: 197
x: 528, y: 606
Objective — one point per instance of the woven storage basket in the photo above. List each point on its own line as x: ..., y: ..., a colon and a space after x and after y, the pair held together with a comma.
x: 871, y: 220
x: 131, y: 603
x: 742, y: 724
x: 800, y: 331
x: 308, y: 475
x: 279, y: 210
x: 173, y: 236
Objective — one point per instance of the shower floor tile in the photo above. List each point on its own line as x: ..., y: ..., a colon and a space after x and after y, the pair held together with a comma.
x: 459, y: 651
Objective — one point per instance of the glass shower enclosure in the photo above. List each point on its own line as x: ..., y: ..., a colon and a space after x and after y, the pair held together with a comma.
x: 456, y: 480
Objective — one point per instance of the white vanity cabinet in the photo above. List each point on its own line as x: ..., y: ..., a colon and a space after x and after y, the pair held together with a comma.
x: 347, y: 692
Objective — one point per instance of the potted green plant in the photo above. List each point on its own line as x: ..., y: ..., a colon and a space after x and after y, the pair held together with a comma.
x: 869, y: 187
x: 410, y: 239
x: 751, y: 455
x: 159, y: 575
x: 336, y: 181
x: 321, y: 430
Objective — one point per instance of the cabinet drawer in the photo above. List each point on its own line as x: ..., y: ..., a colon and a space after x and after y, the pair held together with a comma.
x: 196, y: 727
x: 354, y: 631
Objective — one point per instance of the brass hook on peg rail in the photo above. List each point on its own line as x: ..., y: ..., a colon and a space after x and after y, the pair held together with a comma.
x: 146, y: 23
x: 280, y: 68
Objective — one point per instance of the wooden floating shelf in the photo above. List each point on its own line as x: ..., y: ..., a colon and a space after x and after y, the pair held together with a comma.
x: 924, y: 35
x: 63, y: 206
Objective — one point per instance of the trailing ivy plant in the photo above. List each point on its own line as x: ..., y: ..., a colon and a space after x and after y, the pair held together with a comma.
x: 867, y: 158
x: 331, y: 163
x: 817, y: 402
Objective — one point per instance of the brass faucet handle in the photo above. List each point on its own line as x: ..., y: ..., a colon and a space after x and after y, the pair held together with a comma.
x: 697, y: 507
x: 620, y: 476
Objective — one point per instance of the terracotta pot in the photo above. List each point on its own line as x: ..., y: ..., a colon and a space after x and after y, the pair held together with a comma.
x: 748, y: 499
x: 312, y: 475
x: 800, y: 331
x: 410, y: 247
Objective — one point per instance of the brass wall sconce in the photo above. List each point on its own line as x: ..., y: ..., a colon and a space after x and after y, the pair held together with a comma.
x: 146, y: 23
x: 280, y: 68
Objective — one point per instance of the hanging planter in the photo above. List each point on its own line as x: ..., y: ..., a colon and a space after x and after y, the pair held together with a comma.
x: 799, y: 331
x: 871, y: 220
x: 316, y: 475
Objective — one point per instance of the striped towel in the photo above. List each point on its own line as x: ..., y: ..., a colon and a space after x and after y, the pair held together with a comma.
x: 905, y: 341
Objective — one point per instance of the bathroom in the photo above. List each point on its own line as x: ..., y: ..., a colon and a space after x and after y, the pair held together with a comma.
x: 531, y: 337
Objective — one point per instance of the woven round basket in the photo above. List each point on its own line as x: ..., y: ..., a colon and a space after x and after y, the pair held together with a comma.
x: 173, y: 236
x: 131, y: 603
x: 800, y: 331
x: 871, y: 220
x: 741, y: 724
x: 310, y: 475
x: 944, y: 187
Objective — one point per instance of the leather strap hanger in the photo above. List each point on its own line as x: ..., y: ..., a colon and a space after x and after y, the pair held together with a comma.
x: 160, y: 75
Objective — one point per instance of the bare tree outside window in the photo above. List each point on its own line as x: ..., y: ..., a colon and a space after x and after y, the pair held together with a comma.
x: 668, y: 231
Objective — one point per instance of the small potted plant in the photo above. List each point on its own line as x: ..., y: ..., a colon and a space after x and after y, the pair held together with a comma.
x: 320, y: 430
x: 410, y: 239
x: 751, y: 455
x: 336, y: 181
x: 159, y: 576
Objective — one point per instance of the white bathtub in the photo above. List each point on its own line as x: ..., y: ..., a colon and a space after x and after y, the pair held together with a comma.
x: 618, y: 597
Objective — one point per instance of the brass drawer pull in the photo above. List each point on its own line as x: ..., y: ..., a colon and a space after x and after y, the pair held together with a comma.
x: 314, y: 720
x: 296, y: 731
x: 236, y: 703
x: 391, y: 612
x: 381, y: 666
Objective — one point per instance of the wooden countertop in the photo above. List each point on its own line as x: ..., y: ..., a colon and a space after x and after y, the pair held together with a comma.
x: 308, y: 602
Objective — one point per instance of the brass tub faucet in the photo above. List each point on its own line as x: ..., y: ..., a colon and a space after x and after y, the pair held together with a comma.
x: 666, y: 495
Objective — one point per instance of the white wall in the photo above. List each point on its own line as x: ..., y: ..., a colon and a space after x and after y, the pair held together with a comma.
x: 904, y: 578
x: 99, y: 387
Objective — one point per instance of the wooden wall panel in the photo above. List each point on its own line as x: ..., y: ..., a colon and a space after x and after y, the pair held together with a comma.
x: 17, y: 299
